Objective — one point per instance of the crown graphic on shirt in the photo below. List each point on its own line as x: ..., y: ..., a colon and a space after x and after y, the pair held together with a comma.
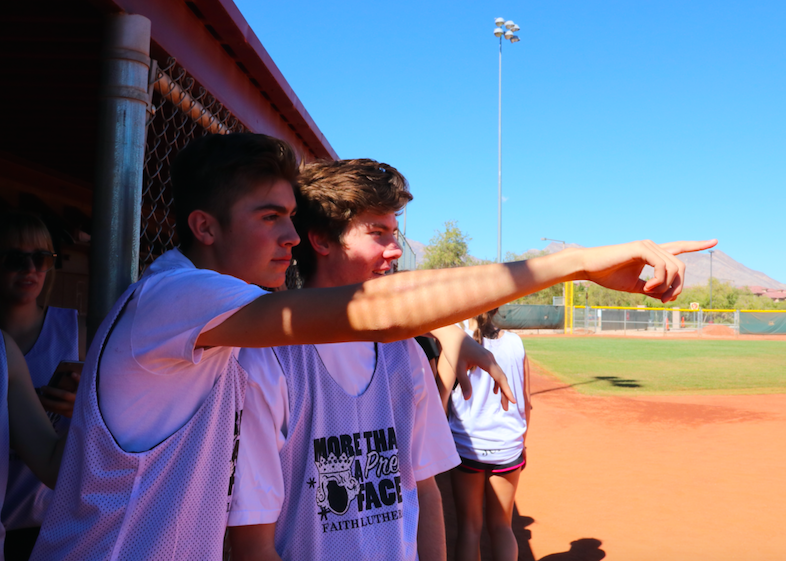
x: 331, y: 464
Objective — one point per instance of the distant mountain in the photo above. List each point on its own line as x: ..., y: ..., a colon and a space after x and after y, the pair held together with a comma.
x: 697, y: 271
x: 418, y: 249
x: 724, y: 268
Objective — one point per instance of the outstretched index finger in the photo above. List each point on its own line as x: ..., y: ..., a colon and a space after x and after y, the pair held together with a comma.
x: 676, y: 248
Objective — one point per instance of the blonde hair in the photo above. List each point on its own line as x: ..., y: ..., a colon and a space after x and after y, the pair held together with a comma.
x: 21, y: 228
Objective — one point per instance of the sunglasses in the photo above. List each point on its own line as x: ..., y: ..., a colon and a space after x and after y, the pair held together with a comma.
x: 15, y: 260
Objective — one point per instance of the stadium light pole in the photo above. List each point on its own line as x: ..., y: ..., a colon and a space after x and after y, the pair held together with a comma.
x: 509, y: 34
x: 711, y: 252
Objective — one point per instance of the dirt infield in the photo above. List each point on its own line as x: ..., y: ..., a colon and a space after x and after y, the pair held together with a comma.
x: 658, y: 478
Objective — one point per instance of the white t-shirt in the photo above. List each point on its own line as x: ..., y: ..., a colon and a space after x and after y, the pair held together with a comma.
x: 259, y: 485
x: 149, y: 385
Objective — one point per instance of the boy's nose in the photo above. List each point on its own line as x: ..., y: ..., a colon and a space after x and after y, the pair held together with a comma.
x: 290, y: 237
x: 393, y: 251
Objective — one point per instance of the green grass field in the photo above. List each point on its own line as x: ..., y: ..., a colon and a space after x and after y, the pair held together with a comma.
x: 601, y: 366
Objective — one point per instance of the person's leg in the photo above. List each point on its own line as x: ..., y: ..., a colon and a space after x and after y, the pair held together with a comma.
x: 468, y: 495
x: 500, y: 493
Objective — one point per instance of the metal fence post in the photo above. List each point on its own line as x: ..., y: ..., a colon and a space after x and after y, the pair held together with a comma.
x: 114, y: 251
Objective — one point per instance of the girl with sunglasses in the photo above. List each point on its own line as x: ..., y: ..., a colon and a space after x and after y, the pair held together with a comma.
x: 46, y: 336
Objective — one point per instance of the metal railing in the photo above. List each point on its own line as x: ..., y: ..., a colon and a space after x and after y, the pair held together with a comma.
x: 407, y: 260
x: 624, y: 320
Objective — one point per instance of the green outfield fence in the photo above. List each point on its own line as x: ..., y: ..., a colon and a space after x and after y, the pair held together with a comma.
x: 626, y: 320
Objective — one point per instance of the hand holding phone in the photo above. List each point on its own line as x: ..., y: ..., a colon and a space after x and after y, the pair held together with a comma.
x: 59, y: 395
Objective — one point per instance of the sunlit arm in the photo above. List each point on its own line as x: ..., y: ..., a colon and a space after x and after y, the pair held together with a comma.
x: 409, y: 303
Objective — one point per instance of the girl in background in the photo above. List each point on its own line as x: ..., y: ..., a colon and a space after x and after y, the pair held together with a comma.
x: 46, y: 335
x: 490, y: 442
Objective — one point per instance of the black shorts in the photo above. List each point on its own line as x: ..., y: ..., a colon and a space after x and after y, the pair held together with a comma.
x: 472, y: 466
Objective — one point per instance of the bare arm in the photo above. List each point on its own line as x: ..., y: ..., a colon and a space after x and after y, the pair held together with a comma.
x: 431, y: 522
x: 409, y: 303
x: 461, y: 353
x: 446, y: 379
x: 32, y: 435
x: 253, y: 543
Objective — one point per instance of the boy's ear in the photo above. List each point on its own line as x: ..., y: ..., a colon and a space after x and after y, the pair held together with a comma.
x: 319, y: 242
x: 204, y: 226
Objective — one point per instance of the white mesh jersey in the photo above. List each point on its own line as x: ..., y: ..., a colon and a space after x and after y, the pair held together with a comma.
x: 350, y: 486
x: 169, y: 502
x: 5, y: 438
x: 482, y: 429
x: 26, y: 498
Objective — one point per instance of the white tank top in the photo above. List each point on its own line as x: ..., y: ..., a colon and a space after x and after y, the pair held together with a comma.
x: 482, y: 430
x: 27, y: 498
x: 350, y: 490
x: 5, y: 438
x: 167, y: 503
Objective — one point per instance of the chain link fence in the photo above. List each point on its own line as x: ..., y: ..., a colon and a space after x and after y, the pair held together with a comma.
x: 408, y: 260
x: 633, y: 321
x: 647, y: 322
x: 654, y: 321
x: 180, y: 111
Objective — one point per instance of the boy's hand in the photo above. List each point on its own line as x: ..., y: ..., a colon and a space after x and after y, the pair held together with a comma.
x: 461, y: 353
x: 619, y: 266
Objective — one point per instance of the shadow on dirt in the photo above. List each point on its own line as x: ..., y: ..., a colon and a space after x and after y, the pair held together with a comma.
x: 615, y: 381
x: 618, y: 382
x: 584, y: 549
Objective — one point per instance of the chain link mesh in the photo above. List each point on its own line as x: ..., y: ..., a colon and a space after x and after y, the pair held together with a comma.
x: 181, y: 110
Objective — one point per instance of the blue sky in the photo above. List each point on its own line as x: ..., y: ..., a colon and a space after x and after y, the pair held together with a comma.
x: 622, y: 119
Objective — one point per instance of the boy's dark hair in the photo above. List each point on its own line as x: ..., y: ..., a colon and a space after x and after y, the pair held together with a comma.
x: 331, y: 193
x: 212, y: 172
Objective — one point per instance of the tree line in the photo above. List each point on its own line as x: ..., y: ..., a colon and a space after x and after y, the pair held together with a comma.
x: 449, y: 248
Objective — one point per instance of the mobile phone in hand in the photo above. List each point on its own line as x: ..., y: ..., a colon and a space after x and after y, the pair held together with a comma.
x: 62, y: 379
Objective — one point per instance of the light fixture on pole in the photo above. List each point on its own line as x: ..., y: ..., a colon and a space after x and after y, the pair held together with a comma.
x: 553, y: 240
x: 509, y: 34
x: 711, y: 252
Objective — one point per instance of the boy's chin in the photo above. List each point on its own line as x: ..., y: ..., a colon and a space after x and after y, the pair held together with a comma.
x: 274, y: 284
